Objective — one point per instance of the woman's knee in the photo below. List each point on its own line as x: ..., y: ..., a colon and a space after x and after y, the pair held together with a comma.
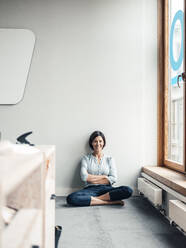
x: 72, y: 199
x: 78, y: 199
x: 127, y: 191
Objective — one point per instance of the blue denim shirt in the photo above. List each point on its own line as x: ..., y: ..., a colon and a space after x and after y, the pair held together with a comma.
x: 90, y: 165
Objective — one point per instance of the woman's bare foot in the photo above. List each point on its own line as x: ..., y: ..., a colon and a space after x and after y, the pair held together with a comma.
x: 97, y: 201
x: 122, y: 202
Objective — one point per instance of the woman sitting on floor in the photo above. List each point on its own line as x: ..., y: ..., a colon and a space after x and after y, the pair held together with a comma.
x: 98, y: 171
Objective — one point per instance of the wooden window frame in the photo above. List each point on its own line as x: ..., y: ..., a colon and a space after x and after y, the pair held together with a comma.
x: 162, y: 77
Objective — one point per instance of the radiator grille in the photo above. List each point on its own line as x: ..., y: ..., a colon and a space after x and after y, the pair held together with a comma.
x: 151, y: 191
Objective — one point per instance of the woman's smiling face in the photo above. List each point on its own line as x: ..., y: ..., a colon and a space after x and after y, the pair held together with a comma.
x: 98, y: 144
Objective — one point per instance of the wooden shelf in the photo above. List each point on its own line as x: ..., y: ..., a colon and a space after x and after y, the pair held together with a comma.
x: 172, y: 179
x: 16, y: 168
x: 16, y: 235
x: 27, y: 180
x: 35, y: 236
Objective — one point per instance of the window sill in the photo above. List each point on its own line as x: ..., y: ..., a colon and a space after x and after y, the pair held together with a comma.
x: 172, y: 179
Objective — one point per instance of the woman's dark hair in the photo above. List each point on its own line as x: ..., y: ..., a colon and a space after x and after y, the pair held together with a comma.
x: 94, y: 135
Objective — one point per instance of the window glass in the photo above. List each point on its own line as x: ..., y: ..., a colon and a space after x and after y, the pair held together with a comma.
x: 175, y: 93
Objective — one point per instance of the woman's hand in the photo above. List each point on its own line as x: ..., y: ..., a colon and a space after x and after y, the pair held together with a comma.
x: 97, y: 179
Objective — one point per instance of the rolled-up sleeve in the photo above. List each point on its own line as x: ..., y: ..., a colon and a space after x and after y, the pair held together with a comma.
x: 112, y: 177
x: 83, y: 171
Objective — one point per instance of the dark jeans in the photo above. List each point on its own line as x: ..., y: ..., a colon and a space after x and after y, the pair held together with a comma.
x: 83, y: 196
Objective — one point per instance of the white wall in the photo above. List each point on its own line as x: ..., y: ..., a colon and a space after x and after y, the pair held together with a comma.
x: 94, y: 68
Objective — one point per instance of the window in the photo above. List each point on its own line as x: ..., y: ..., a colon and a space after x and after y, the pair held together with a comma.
x: 171, y: 81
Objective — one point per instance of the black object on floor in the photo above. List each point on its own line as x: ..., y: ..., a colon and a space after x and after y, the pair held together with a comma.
x: 22, y: 139
x: 58, y: 230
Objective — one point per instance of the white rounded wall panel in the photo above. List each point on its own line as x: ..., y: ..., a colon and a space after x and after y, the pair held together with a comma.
x: 16, y: 51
